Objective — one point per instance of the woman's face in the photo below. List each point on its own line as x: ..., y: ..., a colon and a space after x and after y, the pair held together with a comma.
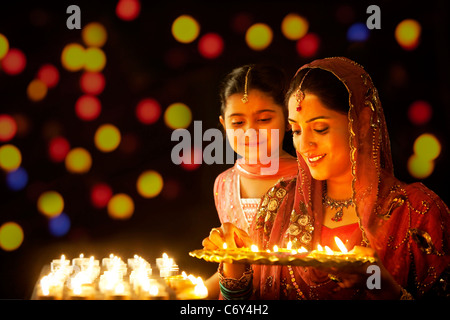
x: 261, y: 114
x: 321, y: 137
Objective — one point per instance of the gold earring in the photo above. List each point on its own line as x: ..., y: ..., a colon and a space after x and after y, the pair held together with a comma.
x: 245, y: 97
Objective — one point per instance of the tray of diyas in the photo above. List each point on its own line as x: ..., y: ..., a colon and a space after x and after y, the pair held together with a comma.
x: 322, y: 257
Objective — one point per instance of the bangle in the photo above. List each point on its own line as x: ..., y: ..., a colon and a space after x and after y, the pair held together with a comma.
x: 405, y: 295
x: 236, y: 289
x: 243, y: 294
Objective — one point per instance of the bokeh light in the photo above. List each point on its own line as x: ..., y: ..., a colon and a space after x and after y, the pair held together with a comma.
x: 36, y: 90
x: 187, y: 161
x: 185, y: 29
x: 17, y: 180
x: 95, y: 59
x: 88, y: 107
x: 50, y: 203
x: 259, y: 36
x: 49, y: 75
x: 94, y: 34
x: 420, y: 112
x: 420, y: 168
x: 240, y: 22
x: 407, y: 34
x: 128, y: 10
x: 101, y: 193
x: 211, y: 45
x: 60, y: 225
x: 10, y: 157
x: 58, y: 148
x: 120, y: 206
x: 149, y: 184
x: 148, y: 111
x: 11, y: 236
x: 358, y: 32
x: 73, y: 57
x: 14, y: 62
x: 78, y: 161
x: 294, y: 26
x: 308, y: 45
x: 178, y: 116
x: 427, y: 146
x: 8, y: 127
x: 4, y: 46
x: 92, y: 83
x: 107, y: 138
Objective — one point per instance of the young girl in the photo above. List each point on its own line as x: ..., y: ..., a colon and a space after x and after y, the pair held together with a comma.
x: 254, y: 116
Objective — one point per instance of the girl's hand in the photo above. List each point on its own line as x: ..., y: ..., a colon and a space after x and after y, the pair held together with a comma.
x: 227, y: 233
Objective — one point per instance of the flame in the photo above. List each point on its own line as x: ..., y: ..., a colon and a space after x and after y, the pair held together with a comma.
x: 225, y: 246
x: 200, y: 289
x: 275, y: 248
x: 254, y: 248
x: 319, y: 247
x: 340, y: 244
x: 328, y: 250
x: 302, y: 249
x: 120, y: 288
x: 289, y: 245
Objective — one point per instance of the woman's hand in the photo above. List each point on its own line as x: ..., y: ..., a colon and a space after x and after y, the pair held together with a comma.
x: 234, y: 238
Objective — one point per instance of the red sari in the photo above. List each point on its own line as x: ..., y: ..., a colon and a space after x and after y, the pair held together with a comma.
x: 407, y: 225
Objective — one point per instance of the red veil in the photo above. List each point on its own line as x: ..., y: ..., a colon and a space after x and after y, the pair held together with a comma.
x: 407, y: 225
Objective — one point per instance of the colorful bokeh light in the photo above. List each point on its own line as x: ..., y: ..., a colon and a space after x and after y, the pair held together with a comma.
x: 78, y: 161
x: 17, y: 180
x: 188, y: 160
x: 73, y: 57
x: 358, y: 32
x: 427, y: 146
x: 50, y: 203
x: 95, y: 59
x: 178, y: 116
x: 407, y: 34
x: 60, y: 225
x: 10, y: 157
x: 107, y: 138
x: 149, y: 184
x: 148, y: 111
x: 11, y: 236
x: 49, y: 75
x: 14, y: 62
x: 128, y: 10
x: 420, y: 168
x: 4, y: 46
x: 8, y: 127
x: 88, y: 107
x: 101, y: 193
x: 94, y: 34
x: 308, y: 46
x: 420, y: 112
x: 36, y: 90
x: 92, y: 83
x: 185, y: 29
x: 294, y: 26
x: 120, y: 206
x: 259, y: 36
x: 58, y: 148
x: 211, y: 45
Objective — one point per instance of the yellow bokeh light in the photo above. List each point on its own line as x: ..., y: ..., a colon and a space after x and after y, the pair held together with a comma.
x: 120, y: 206
x: 185, y: 29
x: 427, y: 146
x: 177, y: 116
x: 10, y: 157
x: 4, y: 46
x: 407, y: 33
x: 94, y: 34
x: 11, y: 236
x: 78, y: 160
x: 50, y: 204
x: 36, y: 90
x: 149, y: 184
x: 95, y: 59
x: 107, y: 138
x: 73, y: 57
x: 294, y: 26
x: 419, y: 167
x: 259, y: 36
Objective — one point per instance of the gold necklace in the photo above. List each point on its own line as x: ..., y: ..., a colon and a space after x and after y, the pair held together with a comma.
x: 334, y: 204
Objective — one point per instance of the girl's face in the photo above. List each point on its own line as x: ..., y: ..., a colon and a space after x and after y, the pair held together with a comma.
x: 261, y: 114
x: 321, y: 137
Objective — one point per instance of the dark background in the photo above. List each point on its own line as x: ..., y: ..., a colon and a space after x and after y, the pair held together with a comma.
x: 137, y: 67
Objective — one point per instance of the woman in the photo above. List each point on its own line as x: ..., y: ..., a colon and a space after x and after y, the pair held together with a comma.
x: 347, y: 188
x: 254, y: 116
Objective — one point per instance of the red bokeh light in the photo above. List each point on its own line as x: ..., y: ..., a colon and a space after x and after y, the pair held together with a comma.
x: 420, y: 112
x: 128, y: 9
x: 14, y: 62
x: 92, y: 83
x: 8, y: 127
x: 148, y: 111
x: 211, y: 45
x: 49, y: 75
x: 308, y: 45
x: 88, y: 107
x: 101, y: 193
x: 58, y: 148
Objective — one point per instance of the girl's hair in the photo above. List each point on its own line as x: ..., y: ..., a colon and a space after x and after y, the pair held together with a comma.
x: 266, y: 78
x: 325, y: 85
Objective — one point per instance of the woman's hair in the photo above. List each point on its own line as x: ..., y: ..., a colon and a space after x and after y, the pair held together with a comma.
x: 325, y: 85
x: 266, y: 78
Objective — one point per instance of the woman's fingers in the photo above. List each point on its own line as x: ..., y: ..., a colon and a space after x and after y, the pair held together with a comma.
x: 216, y: 237
x: 207, y: 244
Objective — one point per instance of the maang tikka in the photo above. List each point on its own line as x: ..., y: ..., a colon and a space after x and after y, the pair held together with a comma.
x: 299, y: 94
x: 245, y: 97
